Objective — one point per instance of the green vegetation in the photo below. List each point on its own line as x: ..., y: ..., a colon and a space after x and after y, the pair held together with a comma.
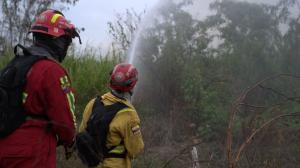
x: 203, y: 66
x: 185, y: 95
x: 89, y: 76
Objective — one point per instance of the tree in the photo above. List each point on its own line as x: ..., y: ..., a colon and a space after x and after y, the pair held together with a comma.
x: 124, y: 28
x: 288, y: 13
x: 191, y: 71
x: 17, y: 16
x: 250, y: 36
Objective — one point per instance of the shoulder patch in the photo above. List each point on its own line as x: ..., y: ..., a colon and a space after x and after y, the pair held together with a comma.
x: 65, y: 83
x: 136, y: 130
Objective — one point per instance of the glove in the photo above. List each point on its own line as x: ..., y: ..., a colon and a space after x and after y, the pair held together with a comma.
x: 69, y: 150
x: 58, y: 141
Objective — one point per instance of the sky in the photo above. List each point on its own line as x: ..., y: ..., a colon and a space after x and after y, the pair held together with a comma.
x: 93, y: 15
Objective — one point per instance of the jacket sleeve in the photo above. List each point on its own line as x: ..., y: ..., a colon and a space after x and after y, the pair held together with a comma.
x: 86, y: 115
x: 133, y: 137
x: 60, y: 103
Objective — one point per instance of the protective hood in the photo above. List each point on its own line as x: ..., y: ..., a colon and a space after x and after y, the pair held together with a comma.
x: 109, y: 97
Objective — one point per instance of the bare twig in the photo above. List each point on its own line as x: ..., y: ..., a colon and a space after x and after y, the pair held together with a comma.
x: 279, y: 93
x: 254, y: 106
x: 250, y: 138
x: 235, y: 108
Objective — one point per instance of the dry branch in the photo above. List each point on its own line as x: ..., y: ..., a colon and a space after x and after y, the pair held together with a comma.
x: 251, y: 137
x: 235, y: 108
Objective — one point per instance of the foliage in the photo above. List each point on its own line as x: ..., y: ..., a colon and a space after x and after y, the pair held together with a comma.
x: 123, y: 28
x: 17, y: 16
x: 191, y: 71
x: 89, y: 76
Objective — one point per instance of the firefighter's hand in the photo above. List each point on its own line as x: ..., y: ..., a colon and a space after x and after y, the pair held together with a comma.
x: 69, y: 150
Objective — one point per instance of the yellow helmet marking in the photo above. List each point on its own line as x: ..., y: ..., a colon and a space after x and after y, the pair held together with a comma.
x: 55, y: 17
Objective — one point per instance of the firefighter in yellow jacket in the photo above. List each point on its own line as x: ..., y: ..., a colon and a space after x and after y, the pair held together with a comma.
x: 124, y: 132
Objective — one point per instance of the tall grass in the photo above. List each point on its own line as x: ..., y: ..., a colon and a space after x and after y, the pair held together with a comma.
x: 89, y: 77
x: 4, y: 59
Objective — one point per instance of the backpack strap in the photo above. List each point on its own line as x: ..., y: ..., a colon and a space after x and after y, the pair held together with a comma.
x: 106, y: 114
x: 115, y: 155
x: 98, y: 106
x: 24, y: 49
x: 33, y: 51
x: 23, y: 63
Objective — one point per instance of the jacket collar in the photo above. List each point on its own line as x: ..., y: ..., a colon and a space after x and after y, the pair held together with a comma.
x: 112, y: 98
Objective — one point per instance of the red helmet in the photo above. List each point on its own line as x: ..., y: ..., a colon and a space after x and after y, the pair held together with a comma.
x: 54, y: 23
x: 123, y: 77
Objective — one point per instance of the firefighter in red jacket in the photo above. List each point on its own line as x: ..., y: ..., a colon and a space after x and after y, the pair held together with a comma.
x: 47, y: 95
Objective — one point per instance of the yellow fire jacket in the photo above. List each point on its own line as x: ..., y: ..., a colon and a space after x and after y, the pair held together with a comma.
x: 124, y: 127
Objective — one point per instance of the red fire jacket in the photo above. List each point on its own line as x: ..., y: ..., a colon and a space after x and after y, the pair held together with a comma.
x: 49, y: 100
x: 48, y: 93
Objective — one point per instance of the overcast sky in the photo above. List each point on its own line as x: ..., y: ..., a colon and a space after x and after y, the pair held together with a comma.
x: 93, y: 15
